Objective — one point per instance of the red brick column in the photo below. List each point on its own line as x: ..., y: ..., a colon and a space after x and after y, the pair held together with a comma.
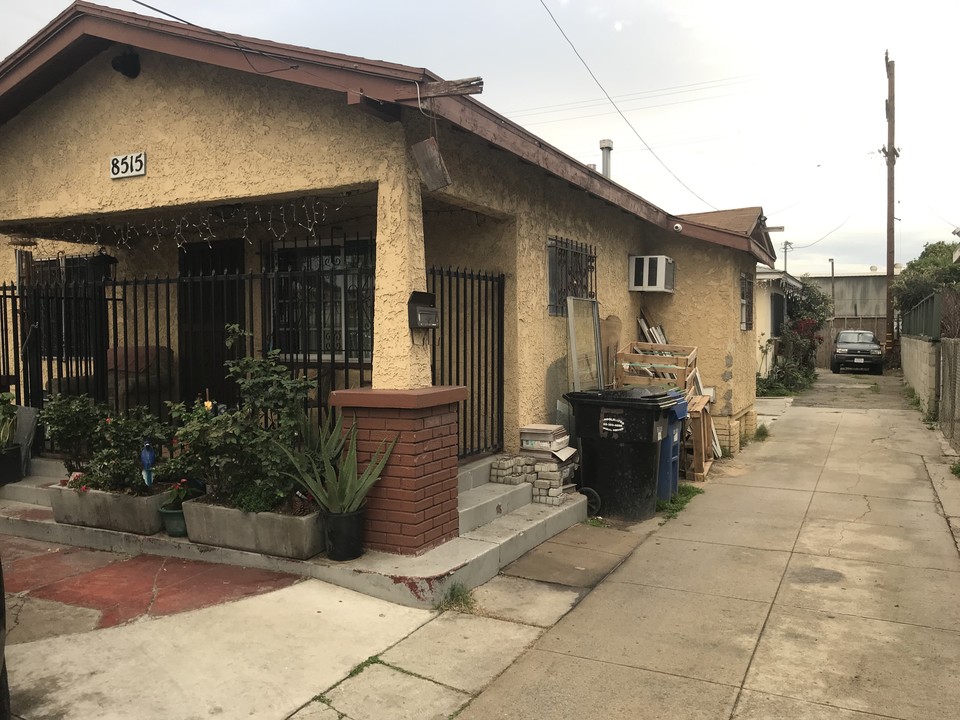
x: 413, y: 506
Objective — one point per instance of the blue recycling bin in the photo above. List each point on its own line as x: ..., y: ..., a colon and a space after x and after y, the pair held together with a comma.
x: 668, y: 470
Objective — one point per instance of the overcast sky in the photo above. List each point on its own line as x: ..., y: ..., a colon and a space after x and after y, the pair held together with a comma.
x: 748, y: 102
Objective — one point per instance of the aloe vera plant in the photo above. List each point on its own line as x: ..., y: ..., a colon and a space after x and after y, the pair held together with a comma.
x: 331, y: 475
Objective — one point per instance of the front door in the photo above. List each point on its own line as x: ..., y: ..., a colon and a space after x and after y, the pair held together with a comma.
x: 211, y: 292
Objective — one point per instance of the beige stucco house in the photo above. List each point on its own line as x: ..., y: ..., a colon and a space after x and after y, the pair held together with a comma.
x: 770, y: 308
x: 228, y: 169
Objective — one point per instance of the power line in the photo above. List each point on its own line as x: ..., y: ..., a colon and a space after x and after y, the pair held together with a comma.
x: 804, y: 247
x: 620, y: 112
x: 638, y: 95
x: 645, y: 107
x: 243, y: 50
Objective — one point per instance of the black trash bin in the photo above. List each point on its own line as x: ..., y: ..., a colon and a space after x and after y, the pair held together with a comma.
x: 620, y: 432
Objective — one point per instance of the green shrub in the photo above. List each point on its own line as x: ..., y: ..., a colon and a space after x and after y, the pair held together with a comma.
x: 70, y: 423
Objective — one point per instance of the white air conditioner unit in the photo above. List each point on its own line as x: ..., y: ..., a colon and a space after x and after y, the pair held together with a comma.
x: 652, y: 273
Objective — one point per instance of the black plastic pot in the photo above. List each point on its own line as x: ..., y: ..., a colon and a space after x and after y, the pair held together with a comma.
x: 344, y: 535
x: 10, y: 465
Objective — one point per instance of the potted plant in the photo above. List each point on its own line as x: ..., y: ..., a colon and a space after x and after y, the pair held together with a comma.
x: 171, y: 512
x: 10, y: 462
x: 71, y: 423
x: 250, y: 502
x: 332, y: 478
x: 112, y: 492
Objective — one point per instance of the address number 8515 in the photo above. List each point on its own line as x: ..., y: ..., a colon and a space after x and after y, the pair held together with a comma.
x: 122, y: 166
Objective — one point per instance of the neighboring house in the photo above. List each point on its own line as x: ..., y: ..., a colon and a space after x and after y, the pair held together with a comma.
x: 771, y: 313
x: 286, y: 190
x: 859, y: 303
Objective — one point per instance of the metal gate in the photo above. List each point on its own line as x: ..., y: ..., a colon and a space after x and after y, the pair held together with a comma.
x: 468, y: 350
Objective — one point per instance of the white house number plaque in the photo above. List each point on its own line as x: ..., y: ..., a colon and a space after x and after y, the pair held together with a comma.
x: 131, y: 165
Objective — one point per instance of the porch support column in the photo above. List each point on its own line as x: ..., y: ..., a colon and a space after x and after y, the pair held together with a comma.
x: 413, y: 506
x: 401, y: 356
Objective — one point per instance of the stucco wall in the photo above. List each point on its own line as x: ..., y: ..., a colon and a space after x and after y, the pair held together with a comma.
x: 920, y: 360
x: 763, y: 296
x: 705, y: 311
x: 213, y: 135
x: 216, y: 136
x: 512, y: 211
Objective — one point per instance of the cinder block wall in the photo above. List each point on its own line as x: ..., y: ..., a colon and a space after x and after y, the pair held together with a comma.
x: 920, y: 359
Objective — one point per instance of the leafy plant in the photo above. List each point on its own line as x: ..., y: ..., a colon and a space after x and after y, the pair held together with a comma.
x: 8, y: 419
x: 330, y: 476
x: 115, y: 466
x: 182, y: 489
x: 71, y: 422
x: 795, y: 367
x: 932, y: 270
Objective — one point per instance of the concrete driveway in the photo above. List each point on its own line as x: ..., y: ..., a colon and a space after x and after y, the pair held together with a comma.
x: 816, y: 578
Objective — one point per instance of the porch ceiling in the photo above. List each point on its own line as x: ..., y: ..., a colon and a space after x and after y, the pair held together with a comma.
x: 315, y: 215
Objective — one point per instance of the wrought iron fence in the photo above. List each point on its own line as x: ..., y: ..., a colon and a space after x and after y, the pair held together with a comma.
x: 924, y: 318
x: 468, y: 350
x: 146, y: 341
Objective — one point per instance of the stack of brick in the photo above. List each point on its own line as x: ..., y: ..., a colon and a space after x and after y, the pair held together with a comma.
x: 554, y: 481
x: 513, y: 470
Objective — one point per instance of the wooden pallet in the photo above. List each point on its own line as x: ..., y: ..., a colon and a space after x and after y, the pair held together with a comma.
x: 642, y: 363
x: 700, y: 459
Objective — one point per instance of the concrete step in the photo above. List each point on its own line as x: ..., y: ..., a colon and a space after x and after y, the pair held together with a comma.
x: 489, y: 501
x: 415, y: 581
x: 525, y: 528
x: 48, y: 468
x: 475, y: 473
x: 31, y: 489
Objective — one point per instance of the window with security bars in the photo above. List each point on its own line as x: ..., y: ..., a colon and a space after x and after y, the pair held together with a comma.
x: 572, y: 270
x: 746, y: 301
x: 324, y: 300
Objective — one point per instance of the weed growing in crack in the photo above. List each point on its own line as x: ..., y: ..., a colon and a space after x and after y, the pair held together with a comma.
x: 761, y: 433
x: 359, y: 668
x: 458, y: 598
x: 670, y: 508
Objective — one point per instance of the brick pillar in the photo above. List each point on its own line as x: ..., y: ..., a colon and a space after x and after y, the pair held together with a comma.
x: 413, y: 506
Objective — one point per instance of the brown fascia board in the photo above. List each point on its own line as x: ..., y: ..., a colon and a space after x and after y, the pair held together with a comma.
x: 480, y: 120
x: 725, y: 239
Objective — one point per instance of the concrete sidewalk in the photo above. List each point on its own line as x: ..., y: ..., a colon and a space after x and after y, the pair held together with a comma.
x: 815, y: 578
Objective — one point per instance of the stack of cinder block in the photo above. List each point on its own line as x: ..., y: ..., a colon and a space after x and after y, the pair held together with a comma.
x: 513, y: 470
x: 554, y: 481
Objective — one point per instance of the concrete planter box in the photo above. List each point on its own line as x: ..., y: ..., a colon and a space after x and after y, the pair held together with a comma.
x: 111, y: 511
x: 291, y: 536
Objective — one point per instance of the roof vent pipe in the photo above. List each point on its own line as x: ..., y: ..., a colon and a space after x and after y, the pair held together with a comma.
x: 606, y: 147
x: 592, y: 166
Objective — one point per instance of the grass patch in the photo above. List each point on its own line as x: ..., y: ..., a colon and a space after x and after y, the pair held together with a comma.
x: 597, y: 521
x: 672, y: 507
x: 875, y: 388
x: 761, y: 433
x: 955, y: 468
x: 458, y: 598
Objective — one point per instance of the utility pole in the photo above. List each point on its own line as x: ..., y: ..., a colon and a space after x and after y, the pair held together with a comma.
x: 833, y: 289
x: 787, y: 246
x: 891, y: 153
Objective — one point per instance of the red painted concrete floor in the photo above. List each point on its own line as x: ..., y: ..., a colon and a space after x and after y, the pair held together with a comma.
x: 123, y: 588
